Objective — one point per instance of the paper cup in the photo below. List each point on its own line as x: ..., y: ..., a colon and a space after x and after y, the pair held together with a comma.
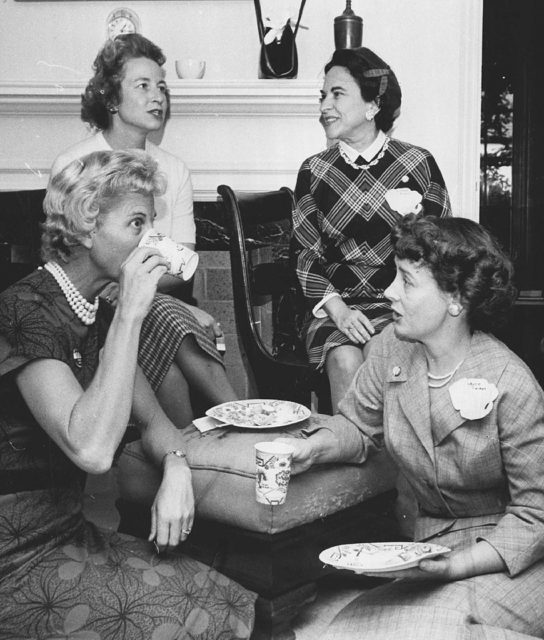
x: 183, y: 261
x: 190, y: 69
x: 273, y: 471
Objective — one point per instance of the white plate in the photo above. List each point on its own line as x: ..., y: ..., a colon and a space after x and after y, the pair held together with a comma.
x: 259, y: 414
x: 380, y: 557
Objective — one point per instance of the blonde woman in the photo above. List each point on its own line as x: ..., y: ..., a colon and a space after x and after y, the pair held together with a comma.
x: 69, y: 381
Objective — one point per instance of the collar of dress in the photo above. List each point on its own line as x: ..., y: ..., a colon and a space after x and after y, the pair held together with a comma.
x: 351, y: 154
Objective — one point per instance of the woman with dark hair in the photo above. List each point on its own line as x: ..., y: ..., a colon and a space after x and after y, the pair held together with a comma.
x: 69, y: 381
x: 347, y: 199
x: 463, y: 418
x: 126, y: 101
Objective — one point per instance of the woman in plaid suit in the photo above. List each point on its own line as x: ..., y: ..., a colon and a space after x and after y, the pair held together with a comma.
x: 463, y: 418
x: 347, y: 199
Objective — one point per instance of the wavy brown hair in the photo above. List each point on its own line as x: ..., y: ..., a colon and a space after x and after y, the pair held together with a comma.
x: 464, y: 258
x: 104, y: 88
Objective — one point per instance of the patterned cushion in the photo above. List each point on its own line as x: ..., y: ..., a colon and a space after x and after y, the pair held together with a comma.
x: 223, y: 464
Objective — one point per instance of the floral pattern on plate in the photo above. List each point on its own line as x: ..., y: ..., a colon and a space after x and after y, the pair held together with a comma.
x: 259, y: 414
x: 378, y: 557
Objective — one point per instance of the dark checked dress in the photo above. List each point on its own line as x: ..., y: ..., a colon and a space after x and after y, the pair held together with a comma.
x: 341, y: 227
x: 60, y: 576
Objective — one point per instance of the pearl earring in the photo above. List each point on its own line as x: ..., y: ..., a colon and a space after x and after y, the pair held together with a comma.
x: 455, y: 309
x: 113, y: 110
x: 369, y: 115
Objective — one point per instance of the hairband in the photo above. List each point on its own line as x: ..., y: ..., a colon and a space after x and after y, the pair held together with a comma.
x: 379, y: 73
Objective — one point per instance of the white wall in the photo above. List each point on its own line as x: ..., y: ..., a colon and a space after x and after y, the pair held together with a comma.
x: 231, y: 127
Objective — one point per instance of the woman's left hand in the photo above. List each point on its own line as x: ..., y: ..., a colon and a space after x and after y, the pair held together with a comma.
x: 478, y: 559
x: 110, y: 293
x: 440, y: 568
x: 173, y: 510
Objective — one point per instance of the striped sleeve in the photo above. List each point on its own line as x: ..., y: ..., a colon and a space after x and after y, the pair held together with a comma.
x: 306, y: 242
x: 436, y: 201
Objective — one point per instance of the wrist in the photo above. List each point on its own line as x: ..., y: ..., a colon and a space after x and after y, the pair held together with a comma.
x: 175, y: 469
x: 127, y: 318
x: 174, y: 460
x: 334, y: 307
x: 176, y: 453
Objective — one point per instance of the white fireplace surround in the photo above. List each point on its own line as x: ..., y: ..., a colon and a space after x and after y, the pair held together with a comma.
x: 229, y: 127
x: 220, y: 129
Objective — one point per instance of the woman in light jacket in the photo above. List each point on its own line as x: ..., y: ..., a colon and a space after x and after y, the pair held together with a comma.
x: 463, y: 418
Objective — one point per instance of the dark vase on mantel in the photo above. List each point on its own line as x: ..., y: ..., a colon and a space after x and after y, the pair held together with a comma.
x: 348, y: 29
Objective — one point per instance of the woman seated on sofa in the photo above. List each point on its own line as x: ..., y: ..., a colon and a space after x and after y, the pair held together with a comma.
x: 125, y: 102
x: 69, y: 381
x: 463, y: 418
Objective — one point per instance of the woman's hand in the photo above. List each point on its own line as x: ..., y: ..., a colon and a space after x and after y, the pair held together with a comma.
x: 351, y: 322
x: 207, y: 322
x: 173, y: 510
x: 303, y: 456
x: 440, y: 568
x: 140, y: 274
x: 110, y: 293
x: 478, y: 559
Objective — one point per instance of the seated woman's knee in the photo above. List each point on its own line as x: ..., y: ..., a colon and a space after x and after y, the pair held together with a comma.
x: 345, y: 359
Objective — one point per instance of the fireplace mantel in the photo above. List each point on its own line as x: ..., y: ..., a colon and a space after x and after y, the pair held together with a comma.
x: 240, y: 133
x: 198, y: 98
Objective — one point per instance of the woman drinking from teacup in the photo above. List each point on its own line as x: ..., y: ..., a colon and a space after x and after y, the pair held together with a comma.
x: 463, y: 418
x: 69, y: 381
x: 347, y: 199
x: 125, y: 102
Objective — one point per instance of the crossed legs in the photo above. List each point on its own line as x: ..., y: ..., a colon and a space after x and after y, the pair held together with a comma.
x: 192, y: 370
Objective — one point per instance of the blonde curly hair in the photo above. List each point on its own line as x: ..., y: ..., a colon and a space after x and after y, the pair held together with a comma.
x: 77, y: 194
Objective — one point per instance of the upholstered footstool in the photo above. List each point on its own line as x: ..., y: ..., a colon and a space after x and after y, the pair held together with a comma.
x: 272, y: 550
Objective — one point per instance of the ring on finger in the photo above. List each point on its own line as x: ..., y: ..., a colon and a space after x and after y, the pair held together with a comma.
x: 186, y: 531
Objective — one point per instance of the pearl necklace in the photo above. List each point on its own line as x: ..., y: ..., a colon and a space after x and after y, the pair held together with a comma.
x: 368, y: 164
x: 84, y: 310
x: 443, y: 379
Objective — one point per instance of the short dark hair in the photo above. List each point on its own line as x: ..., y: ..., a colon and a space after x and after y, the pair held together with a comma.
x: 464, y: 258
x: 103, y: 90
x: 376, y: 80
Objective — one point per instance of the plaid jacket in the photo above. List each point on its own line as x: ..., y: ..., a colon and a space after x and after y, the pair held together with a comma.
x: 464, y: 473
x: 342, y: 222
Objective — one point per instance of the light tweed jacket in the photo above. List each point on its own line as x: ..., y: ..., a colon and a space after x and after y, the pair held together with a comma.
x: 464, y: 473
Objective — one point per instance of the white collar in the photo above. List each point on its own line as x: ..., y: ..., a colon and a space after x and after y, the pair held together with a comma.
x: 367, y: 154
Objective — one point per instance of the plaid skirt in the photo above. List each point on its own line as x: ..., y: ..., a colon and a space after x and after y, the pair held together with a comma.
x: 163, y: 330
x: 322, y: 334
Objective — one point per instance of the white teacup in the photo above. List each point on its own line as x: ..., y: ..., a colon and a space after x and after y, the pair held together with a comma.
x: 190, y: 68
x: 183, y: 261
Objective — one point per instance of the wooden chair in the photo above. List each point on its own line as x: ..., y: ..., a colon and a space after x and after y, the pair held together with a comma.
x: 268, y: 301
